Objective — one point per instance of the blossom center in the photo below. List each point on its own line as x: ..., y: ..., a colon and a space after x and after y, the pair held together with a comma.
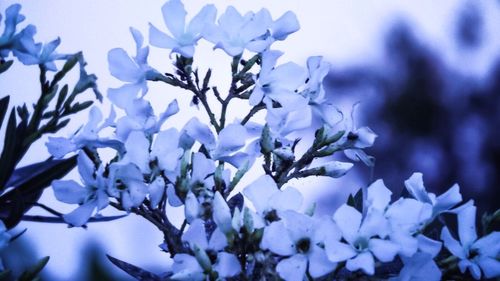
x: 303, y: 245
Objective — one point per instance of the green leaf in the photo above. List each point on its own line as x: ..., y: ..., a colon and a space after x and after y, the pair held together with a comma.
x: 5, y: 65
x: 237, y: 177
x: 70, y: 63
x: 47, y: 219
x: 33, y: 272
x: 356, y: 201
x: 266, y: 141
x: 134, y: 271
x: 236, y: 202
x: 80, y: 106
x: 28, y: 189
x: 15, y: 237
x: 4, y: 105
x: 11, y: 144
x: 62, y: 96
x: 206, y: 80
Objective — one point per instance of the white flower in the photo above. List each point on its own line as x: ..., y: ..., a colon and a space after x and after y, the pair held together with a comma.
x: 140, y: 117
x: 269, y: 201
x: 235, y: 32
x: 365, y: 239
x: 8, y: 37
x: 164, y: 151
x: 474, y: 254
x: 300, y: 238
x: 90, y: 196
x: 226, y: 147
x: 187, y: 267
x: 29, y: 52
x: 405, y: 216
x: 278, y: 83
x: 441, y: 203
x: 183, y: 38
x: 135, y: 71
x: 126, y: 182
x: 355, y: 141
x: 419, y: 267
x: 87, y: 136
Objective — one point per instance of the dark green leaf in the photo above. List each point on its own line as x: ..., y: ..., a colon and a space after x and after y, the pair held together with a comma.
x: 80, y: 106
x: 356, y: 201
x: 33, y: 272
x: 134, y: 271
x: 48, y: 114
x: 62, y: 96
x: 27, y: 191
x: 21, y: 175
x: 14, y: 238
x: 22, y: 112
x: 206, y: 80
x: 59, y: 126
x: 47, y: 97
x: 7, y: 159
x: 46, y: 219
x: 236, y: 201
x: 5, y: 65
x: 4, y: 105
x: 70, y: 63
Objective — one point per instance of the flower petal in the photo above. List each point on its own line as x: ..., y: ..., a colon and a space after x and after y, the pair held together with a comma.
x: 69, y: 191
x: 277, y: 239
x: 319, y: 264
x: 284, y: 26
x: 196, y: 235
x: 384, y: 250
x: 260, y: 191
x: 452, y: 244
x: 80, y: 215
x: 222, y: 214
x: 227, y: 265
x: 348, y: 220
x: 338, y: 251
x: 415, y: 186
x: 467, y: 225
x: 490, y: 266
x: 174, y: 16
x: 363, y: 261
x: 293, y: 268
x: 448, y: 199
x: 378, y: 196
x: 122, y: 97
x: 161, y: 40
x: 288, y: 198
x: 429, y: 246
x: 204, y: 17
x: 122, y: 66
x: 200, y: 132
x: 227, y: 140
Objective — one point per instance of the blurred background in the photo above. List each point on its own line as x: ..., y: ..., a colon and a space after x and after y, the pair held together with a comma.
x: 425, y: 76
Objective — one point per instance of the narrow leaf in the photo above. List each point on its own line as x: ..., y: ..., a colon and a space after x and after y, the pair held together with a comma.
x: 20, y: 199
x: 6, y: 65
x: 33, y: 272
x: 4, y: 105
x: 134, y: 271
x: 9, y: 150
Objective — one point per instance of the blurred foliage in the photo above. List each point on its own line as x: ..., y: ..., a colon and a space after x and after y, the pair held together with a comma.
x: 430, y: 117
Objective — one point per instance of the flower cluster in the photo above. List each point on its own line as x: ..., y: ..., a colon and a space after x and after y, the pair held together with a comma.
x: 23, y: 46
x: 264, y: 231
